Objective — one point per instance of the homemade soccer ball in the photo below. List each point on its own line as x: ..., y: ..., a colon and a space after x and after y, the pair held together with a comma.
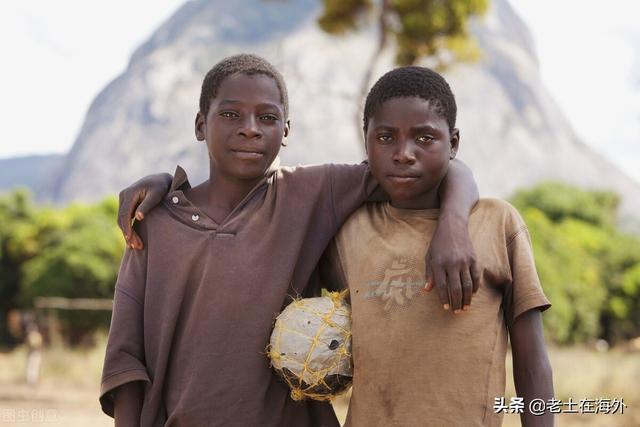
x: 310, y: 347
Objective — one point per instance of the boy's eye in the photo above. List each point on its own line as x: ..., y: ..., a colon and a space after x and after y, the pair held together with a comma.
x: 385, y: 139
x: 269, y: 117
x: 425, y: 139
x: 229, y: 114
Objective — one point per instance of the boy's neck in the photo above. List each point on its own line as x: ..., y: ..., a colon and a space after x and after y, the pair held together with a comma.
x: 427, y: 200
x: 218, y: 196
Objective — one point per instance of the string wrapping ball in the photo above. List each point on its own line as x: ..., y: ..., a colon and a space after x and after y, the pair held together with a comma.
x: 310, y: 346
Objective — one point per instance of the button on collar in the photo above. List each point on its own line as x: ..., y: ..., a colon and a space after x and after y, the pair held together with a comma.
x: 195, y: 217
x: 175, y: 200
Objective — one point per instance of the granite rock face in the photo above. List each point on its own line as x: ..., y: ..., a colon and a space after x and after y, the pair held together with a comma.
x: 513, y: 134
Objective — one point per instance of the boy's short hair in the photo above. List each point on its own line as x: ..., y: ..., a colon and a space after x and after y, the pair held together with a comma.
x: 246, y: 64
x: 412, y: 81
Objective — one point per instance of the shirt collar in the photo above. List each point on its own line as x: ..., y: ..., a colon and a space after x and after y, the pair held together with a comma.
x: 181, y: 181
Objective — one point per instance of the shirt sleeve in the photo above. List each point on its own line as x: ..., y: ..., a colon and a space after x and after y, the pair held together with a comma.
x: 332, y: 273
x: 524, y: 292
x: 124, y: 359
x: 351, y: 186
x: 327, y: 275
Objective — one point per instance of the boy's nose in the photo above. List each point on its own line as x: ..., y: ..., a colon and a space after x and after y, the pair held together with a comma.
x: 249, y: 128
x: 404, y: 154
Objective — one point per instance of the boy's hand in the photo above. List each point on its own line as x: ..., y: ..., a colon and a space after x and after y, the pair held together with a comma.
x: 138, y: 199
x: 451, y: 264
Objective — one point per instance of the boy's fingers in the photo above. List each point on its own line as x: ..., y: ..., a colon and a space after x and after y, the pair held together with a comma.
x: 455, y: 289
x: 147, y: 203
x: 429, y: 276
x: 125, y: 215
x: 135, y: 241
x: 467, y: 288
x: 440, y: 278
x: 475, y: 275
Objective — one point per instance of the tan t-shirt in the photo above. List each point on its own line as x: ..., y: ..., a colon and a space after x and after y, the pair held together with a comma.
x: 416, y: 364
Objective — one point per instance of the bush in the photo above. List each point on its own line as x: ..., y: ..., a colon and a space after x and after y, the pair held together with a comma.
x: 590, y: 271
x: 72, y: 252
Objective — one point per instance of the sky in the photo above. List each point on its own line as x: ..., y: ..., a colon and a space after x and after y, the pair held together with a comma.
x: 55, y: 63
x: 589, y: 53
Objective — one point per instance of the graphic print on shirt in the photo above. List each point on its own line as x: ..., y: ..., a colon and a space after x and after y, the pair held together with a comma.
x: 401, y: 281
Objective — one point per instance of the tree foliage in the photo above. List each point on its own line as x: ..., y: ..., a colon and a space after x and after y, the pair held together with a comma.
x: 80, y: 248
x: 17, y: 245
x: 71, y: 252
x: 419, y: 27
x: 340, y: 16
x: 589, y: 269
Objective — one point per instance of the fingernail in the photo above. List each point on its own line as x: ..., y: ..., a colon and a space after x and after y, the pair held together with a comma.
x: 139, y: 216
x: 446, y: 306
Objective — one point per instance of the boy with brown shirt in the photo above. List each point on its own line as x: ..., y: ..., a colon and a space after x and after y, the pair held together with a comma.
x: 193, y: 309
x: 415, y: 364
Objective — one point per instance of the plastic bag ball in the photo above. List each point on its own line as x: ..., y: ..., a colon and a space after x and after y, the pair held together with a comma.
x: 310, y: 347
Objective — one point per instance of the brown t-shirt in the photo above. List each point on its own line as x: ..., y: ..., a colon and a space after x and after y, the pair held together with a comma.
x: 416, y: 364
x: 194, y: 310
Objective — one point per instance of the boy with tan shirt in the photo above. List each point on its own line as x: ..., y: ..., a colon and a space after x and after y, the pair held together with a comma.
x: 415, y: 364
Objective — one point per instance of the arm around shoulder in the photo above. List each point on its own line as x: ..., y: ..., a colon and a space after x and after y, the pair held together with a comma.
x: 458, y: 191
x: 137, y: 200
x: 451, y: 253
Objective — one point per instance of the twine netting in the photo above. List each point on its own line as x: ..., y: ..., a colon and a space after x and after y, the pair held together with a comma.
x: 310, y: 346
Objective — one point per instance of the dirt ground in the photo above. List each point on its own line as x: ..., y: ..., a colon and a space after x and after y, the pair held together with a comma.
x: 67, y: 393
x: 21, y: 405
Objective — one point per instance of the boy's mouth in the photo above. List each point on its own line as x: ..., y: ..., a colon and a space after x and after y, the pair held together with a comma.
x: 248, y: 154
x: 402, y: 178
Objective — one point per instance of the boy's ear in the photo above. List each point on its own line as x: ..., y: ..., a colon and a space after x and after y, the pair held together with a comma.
x: 287, y: 128
x: 364, y: 133
x: 455, y: 142
x: 199, y: 126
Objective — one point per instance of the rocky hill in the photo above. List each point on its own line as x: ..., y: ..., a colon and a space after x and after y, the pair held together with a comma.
x: 30, y: 172
x: 513, y: 134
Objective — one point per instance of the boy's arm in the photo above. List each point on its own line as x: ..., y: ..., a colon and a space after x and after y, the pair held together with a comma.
x: 125, y: 361
x: 137, y: 200
x: 332, y: 275
x: 531, y: 368
x: 451, y: 262
x: 128, y: 404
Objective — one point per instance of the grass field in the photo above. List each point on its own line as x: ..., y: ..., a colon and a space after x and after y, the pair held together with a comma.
x: 68, y: 392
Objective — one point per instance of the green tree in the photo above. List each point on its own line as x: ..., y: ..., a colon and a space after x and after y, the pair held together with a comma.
x: 79, y: 254
x: 589, y: 269
x: 17, y: 245
x: 71, y: 252
x: 419, y: 28
x: 559, y: 201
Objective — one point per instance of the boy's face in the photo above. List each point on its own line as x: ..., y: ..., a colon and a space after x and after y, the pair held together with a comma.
x: 409, y: 146
x: 244, y: 126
